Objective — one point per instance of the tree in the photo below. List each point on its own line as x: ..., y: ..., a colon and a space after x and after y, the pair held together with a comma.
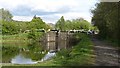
x: 77, y: 24
x: 6, y: 15
x: 60, y: 24
x: 10, y: 28
x: 80, y: 23
x: 105, y: 17
x: 8, y: 25
x: 37, y: 23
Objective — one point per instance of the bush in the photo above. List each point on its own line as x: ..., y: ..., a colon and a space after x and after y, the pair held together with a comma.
x: 34, y: 35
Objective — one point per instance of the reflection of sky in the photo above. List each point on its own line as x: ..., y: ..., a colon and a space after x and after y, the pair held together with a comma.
x: 20, y: 59
x: 48, y: 56
x: 49, y: 10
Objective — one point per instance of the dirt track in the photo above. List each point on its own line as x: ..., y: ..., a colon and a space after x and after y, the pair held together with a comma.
x: 105, y: 54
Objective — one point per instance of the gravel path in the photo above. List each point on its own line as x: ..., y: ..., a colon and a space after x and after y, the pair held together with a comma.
x: 105, y: 54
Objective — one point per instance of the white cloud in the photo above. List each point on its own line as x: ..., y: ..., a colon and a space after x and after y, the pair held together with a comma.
x: 74, y: 15
x: 109, y: 0
x: 70, y: 9
x: 23, y: 18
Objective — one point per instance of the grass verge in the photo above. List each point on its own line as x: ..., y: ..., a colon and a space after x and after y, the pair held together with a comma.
x: 80, y: 55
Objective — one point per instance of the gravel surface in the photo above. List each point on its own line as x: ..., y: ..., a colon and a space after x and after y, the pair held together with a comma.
x: 105, y: 54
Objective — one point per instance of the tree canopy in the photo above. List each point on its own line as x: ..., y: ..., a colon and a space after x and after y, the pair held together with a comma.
x: 60, y: 24
x: 10, y: 26
x: 37, y: 23
x: 6, y: 15
x: 105, y: 17
x: 79, y: 23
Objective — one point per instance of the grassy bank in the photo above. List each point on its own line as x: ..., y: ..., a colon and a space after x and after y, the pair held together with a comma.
x: 20, y: 39
x: 16, y: 37
x: 14, y: 40
x: 80, y: 55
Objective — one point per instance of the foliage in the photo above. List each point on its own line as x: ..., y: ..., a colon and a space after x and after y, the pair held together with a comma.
x: 6, y: 51
x: 37, y: 23
x: 74, y: 24
x: 105, y: 17
x: 34, y: 35
x: 60, y: 24
x: 6, y: 15
x: 35, y: 51
x: 23, y: 26
x: 9, y: 28
x: 80, y: 54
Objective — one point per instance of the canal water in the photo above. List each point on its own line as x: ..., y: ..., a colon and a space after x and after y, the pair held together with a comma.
x: 30, y: 53
x: 22, y: 54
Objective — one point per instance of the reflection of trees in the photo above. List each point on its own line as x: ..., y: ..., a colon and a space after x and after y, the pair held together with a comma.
x: 35, y: 47
x: 34, y: 51
x: 8, y: 53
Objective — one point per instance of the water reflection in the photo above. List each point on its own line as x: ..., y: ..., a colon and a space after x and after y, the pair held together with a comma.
x: 49, y: 55
x: 8, y: 53
x: 35, y: 51
x: 20, y: 59
x: 32, y: 52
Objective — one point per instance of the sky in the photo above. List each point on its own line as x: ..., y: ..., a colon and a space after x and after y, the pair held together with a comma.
x: 49, y: 10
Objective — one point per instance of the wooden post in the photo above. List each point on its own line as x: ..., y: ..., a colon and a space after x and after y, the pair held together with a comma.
x: 56, y: 41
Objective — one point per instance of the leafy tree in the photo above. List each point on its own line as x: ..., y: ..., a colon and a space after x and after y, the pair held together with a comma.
x: 79, y: 23
x: 6, y: 15
x: 8, y: 25
x: 10, y: 28
x: 23, y: 26
x: 60, y: 24
x: 105, y: 17
x: 37, y: 23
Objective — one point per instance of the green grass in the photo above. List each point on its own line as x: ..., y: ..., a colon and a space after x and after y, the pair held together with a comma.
x: 14, y: 40
x: 80, y: 55
x: 18, y: 39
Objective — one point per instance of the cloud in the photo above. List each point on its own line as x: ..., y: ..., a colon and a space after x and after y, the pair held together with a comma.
x: 109, y: 0
x: 23, y: 10
x: 23, y: 18
x: 48, y: 10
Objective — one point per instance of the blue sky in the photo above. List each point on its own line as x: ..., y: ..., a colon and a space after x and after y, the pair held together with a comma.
x: 49, y: 10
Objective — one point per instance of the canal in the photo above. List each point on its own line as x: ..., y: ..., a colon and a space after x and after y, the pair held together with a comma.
x: 32, y: 53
